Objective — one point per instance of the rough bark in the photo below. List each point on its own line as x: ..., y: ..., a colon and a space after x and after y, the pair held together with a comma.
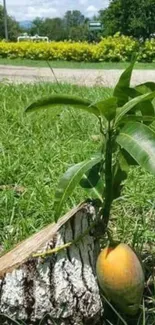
x: 59, y: 289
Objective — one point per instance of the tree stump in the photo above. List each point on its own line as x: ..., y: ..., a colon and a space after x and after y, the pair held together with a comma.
x: 60, y: 288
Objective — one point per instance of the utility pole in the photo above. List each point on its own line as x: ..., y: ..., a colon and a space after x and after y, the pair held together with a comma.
x: 5, y: 20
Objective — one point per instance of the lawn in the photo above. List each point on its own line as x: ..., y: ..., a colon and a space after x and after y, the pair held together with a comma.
x: 74, y: 65
x: 36, y: 149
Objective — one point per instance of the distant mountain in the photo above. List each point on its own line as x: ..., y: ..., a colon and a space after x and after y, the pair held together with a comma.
x: 25, y: 24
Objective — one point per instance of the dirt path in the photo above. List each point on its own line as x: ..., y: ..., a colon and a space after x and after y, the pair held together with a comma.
x: 88, y: 77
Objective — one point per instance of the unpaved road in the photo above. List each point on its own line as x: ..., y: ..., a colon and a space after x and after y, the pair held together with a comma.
x: 88, y: 77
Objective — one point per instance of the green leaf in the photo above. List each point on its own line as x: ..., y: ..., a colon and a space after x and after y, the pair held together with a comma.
x: 107, y: 107
x: 140, y: 89
x: 126, y: 160
x: 119, y: 176
x: 121, y: 111
x: 63, y: 100
x: 123, y: 84
x: 152, y: 126
x: 97, y: 191
x: 69, y: 181
x: 139, y: 141
x: 136, y: 118
x: 132, y: 92
x: 145, y: 87
x: 91, y: 178
x: 146, y: 108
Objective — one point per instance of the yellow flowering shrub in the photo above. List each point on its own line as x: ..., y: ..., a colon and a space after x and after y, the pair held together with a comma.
x: 113, y: 48
x: 116, y: 48
x: 48, y: 51
x: 147, y: 51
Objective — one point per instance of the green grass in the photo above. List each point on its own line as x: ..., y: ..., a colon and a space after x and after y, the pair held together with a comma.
x: 36, y: 149
x: 75, y: 65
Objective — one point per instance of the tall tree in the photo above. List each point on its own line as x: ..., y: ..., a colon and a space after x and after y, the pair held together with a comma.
x: 74, y: 18
x: 76, y: 25
x: 37, y: 26
x: 13, y: 26
x: 79, y: 33
x: 111, y: 18
x: 136, y: 18
x: 54, y: 29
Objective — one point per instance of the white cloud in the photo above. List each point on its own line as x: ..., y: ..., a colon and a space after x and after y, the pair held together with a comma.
x: 32, y: 12
x: 83, y: 2
x: 92, y: 10
x: 29, y: 9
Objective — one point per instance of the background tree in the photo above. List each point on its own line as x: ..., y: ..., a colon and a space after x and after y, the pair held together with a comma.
x: 73, y: 18
x: 53, y: 28
x: 111, y: 18
x: 76, y: 25
x: 37, y: 26
x: 135, y: 18
x: 79, y: 33
x: 13, y: 26
x: 73, y: 26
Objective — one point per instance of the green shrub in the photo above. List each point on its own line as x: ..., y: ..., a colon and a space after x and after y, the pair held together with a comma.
x: 113, y: 48
x: 147, y: 51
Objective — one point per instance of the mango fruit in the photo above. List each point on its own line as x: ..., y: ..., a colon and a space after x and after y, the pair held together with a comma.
x: 121, y: 277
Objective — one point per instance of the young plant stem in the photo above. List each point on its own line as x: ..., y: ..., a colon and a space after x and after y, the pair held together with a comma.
x: 108, y: 178
x: 66, y: 245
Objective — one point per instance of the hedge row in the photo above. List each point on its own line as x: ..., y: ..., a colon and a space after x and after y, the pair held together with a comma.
x: 116, y: 49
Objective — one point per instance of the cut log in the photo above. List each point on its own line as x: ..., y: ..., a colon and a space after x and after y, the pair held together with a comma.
x: 60, y: 288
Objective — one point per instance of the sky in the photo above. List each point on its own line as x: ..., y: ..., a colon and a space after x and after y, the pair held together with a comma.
x: 29, y: 9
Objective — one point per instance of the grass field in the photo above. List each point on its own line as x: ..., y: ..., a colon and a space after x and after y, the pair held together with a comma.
x: 75, y: 65
x: 36, y: 149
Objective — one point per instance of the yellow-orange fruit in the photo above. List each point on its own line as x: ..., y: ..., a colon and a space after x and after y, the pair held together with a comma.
x: 121, y: 277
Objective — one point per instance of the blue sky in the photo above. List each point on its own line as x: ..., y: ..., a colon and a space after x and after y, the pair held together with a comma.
x: 29, y: 9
